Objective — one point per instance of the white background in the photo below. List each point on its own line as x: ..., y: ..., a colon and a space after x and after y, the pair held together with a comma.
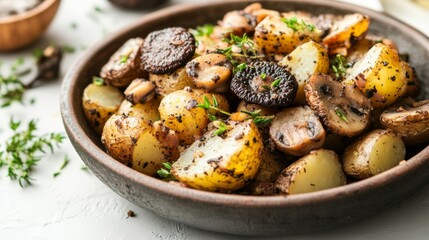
x: 76, y: 205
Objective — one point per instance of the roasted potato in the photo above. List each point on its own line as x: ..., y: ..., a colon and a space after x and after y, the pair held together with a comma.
x: 374, y: 153
x: 307, y: 59
x: 133, y: 142
x: 274, y: 36
x: 350, y: 26
x: 168, y: 83
x: 380, y: 75
x: 179, y: 111
x: 99, y: 103
x: 410, y: 120
x: 320, y: 169
x: 204, y: 166
x: 147, y: 110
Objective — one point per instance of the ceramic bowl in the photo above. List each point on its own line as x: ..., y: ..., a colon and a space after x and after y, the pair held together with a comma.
x: 18, y: 31
x: 237, y: 214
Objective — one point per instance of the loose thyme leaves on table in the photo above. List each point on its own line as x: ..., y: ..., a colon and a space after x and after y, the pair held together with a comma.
x: 24, y: 149
x: 11, y: 90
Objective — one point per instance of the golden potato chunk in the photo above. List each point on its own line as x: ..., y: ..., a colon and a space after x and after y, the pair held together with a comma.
x: 203, y: 166
x: 133, y: 142
x: 320, y: 169
x: 276, y: 35
x: 307, y: 59
x: 168, y: 83
x: 379, y: 75
x: 147, y: 110
x: 99, y: 103
x: 374, y: 153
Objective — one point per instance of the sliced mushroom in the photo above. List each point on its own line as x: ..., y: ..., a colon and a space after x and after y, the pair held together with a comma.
x: 210, y: 71
x: 166, y: 50
x: 124, y: 65
x: 410, y: 120
x: 265, y: 83
x: 342, y: 108
x: 140, y: 91
x: 251, y: 107
x: 260, y: 13
x: 238, y: 23
x: 297, y: 131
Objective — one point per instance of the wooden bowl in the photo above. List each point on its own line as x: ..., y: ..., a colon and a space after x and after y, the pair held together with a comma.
x: 238, y: 214
x: 18, y: 31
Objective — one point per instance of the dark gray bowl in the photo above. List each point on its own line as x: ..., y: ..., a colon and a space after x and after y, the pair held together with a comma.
x: 245, y: 215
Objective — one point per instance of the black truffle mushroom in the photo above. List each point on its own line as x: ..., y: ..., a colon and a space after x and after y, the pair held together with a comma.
x: 166, y: 50
x: 266, y: 84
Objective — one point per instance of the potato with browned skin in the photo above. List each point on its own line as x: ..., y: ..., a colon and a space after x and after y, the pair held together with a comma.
x: 136, y: 143
x: 320, y: 169
x: 99, y: 103
x: 374, y: 153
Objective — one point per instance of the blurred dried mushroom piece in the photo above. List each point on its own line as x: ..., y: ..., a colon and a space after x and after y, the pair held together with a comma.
x: 141, y: 4
x: 124, y: 65
x: 166, y: 50
x: 140, y: 91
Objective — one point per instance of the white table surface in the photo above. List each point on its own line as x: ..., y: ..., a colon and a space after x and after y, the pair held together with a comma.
x: 76, y: 205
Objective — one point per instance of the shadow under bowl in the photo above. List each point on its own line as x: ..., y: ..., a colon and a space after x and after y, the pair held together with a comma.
x: 237, y: 214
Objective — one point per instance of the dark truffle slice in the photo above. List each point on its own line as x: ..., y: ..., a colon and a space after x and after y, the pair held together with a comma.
x: 166, y: 50
x: 265, y: 83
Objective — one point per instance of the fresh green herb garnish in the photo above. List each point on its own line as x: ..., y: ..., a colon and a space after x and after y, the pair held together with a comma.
x: 266, y: 87
x: 37, y: 53
x: 17, y: 64
x: 263, y: 76
x: 201, y: 31
x: 124, y: 59
x: 84, y: 168
x: 11, y: 90
x: 275, y: 83
x: 258, y: 119
x: 340, y: 113
x: 65, y: 163
x: 221, y: 127
x: 165, y: 173
x: 68, y: 49
x: 339, y: 66
x: 241, y: 66
x: 23, y: 150
x: 209, y: 106
x: 97, y: 81
x: 297, y: 25
x: 98, y: 9
x: 246, y: 45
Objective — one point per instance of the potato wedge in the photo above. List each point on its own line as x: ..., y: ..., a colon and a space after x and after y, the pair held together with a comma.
x: 273, y: 36
x: 350, y: 26
x: 410, y: 120
x: 147, y: 110
x: 307, y: 59
x: 168, y: 83
x: 203, y: 166
x: 380, y: 75
x: 179, y: 112
x: 133, y: 142
x: 374, y: 153
x: 99, y: 103
x: 320, y: 169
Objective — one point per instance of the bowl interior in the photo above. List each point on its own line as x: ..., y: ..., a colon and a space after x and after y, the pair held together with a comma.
x: 88, y: 144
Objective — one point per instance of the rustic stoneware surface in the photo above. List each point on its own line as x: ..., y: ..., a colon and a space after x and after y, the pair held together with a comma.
x: 244, y: 215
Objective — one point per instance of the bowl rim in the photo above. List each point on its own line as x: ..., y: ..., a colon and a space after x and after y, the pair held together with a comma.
x: 78, y: 136
x: 40, y: 8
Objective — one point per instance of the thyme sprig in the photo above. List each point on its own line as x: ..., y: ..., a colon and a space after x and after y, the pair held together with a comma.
x: 339, y: 66
x: 165, y: 172
x: 202, y: 31
x: 11, y: 90
x: 259, y: 119
x: 212, y: 106
x: 297, y: 25
x: 24, y: 149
